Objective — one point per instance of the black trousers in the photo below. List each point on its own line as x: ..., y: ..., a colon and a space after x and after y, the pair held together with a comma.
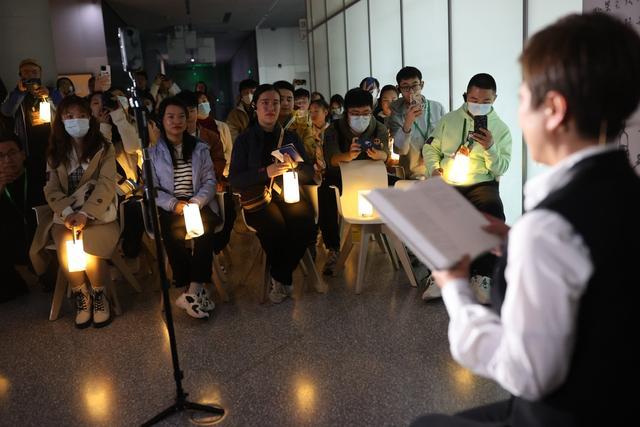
x: 328, y: 212
x: 485, y: 196
x: 187, y: 266
x: 285, y: 230
x: 494, y: 415
x: 133, y: 229
x: 221, y: 239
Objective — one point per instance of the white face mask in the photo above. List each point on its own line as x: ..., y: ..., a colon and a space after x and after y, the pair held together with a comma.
x: 478, y: 109
x: 359, y: 123
x: 336, y: 112
x: 247, y: 98
x: 203, y: 110
x: 77, y: 128
x: 124, y: 102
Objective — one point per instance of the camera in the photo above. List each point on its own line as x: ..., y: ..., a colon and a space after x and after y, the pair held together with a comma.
x: 109, y: 101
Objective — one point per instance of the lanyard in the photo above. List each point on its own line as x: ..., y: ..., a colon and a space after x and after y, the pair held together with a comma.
x: 290, y: 122
x: 463, y: 138
x: 425, y: 134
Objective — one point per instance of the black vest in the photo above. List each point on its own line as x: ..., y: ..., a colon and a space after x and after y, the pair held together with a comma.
x: 602, y: 203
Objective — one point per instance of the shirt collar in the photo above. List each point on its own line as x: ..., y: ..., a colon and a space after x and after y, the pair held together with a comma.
x: 538, y: 188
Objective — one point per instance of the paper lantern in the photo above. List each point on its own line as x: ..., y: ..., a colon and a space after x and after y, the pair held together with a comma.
x: 192, y: 221
x: 365, y: 209
x: 459, y: 171
x: 76, y: 258
x: 291, y: 188
x: 45, y: 111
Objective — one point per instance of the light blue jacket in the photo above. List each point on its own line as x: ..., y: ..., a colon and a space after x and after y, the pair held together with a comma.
x: 203, y: 177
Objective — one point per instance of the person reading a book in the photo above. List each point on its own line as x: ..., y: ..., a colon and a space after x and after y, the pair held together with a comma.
x: 285, y: 230
x: 565, y: 293
x: 472, y: 159
x: 355, y: 136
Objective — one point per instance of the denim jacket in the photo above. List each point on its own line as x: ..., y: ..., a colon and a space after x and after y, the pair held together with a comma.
x: 203, y: 177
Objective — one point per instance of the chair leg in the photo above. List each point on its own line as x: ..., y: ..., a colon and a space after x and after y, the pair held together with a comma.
x: 227, y: 257
x: 217, y: 280
x: 318, y: 283
x: 303, y: 267
x: 388, y: 250
x: 362, y: 257
x: 266, y: 277
x: 112, y: 294
x: 403, y: 256
x: 58, y: 295
x: 120, y: 263
x: 380, y: 243
x: 345, y: 249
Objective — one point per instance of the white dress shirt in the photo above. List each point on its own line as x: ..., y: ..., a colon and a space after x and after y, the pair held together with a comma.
x: 528, y: 348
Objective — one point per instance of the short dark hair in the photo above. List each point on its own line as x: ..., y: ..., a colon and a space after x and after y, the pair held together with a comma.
x: 189, y: 98
x: 389, y: 87
x: 338, y: 99
x: 11, y: 137
x: 283, y: 84
x: 407, y: 73
x: 319, y: 94
x: 301, y: 93
x: 367, y: 81
x: 593, y: 60
x: 247, y: 84
x: 142, y: 73
x: 320, y: 103
x: 483, y: 81
x: 358, y: 98
x: 262, y: 89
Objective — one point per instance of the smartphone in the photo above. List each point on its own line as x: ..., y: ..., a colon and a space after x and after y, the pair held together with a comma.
x: 365, y: 143
x: 479, y: 122
x: 32, y: 84
x: 105, y: 70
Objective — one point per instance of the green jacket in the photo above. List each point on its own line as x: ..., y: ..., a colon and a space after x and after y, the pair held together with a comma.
x: 484, y: 165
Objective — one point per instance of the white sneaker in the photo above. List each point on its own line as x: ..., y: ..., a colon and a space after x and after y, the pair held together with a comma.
x: 203, y: 299
x: 101, y: 308
x: 481, y: 287
x: 189, y: 302
x: 433, y: 291
x: 277, y: 293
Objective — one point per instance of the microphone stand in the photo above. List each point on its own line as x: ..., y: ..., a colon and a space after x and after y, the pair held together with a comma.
x: 181, y: 403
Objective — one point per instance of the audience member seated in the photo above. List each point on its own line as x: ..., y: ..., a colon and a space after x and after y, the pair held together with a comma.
x: 17, y: 218
x: 337, y: 107
x: 184, y: 174
x: 559, y: 332
x: 371, y: 85
x: 207, y: 120
x: 80, y: 192
x: 107, y: 109
x: 316, y: 96
x: 285, y: 229
x: 301, y: 99
x: 412, y: 121
x: 388, y: 95
x: 319, y: 114
x: 355, y: 136
x: 163, y: 87
x: 65, y: 86
x: 290, y: 121
x: 23, y: 106
x: 487, y: 152
x: 142, y: 81
x: 201, y: 87
x: 243, y: 113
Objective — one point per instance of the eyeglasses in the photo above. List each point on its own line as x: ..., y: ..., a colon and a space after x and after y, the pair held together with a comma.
x: 413, y: 88
x: 9, y: 155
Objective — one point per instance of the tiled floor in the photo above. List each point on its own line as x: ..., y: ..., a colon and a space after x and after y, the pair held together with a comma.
x: 334, y: 359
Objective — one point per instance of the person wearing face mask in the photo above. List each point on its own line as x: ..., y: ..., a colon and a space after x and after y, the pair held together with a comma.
x: 240, y: 117
x: 184, y: 174
x: 336, y: 107
x: 81, y: 195
x: 371, y: 85
x: 290, y: 121
x: 356, y: 136
x: 206, y: 119
x: 487, y: 153
x: 413, y: 118
x: 23, y: 106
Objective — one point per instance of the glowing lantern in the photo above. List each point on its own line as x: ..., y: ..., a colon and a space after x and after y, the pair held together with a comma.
x: 45, y: 111
x: 192, y: 221
x: 365, y: 208
x: 459, y: 171
x: 76, y: 258
x: 291, y: 189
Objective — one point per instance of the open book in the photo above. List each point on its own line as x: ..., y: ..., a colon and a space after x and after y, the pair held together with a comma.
x: 435, y: 221
x: 289, y: 149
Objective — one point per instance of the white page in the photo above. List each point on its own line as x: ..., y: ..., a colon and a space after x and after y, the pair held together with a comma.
x: 435, y: 221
